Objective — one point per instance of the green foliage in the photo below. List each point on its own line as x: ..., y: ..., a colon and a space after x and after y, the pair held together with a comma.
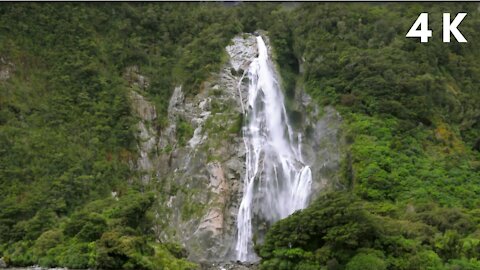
x: 75, y: 255
x: 465, y: 264
x: 164, y: 257
x: 131, y: 210
x: 383, y: 71
x: 46, y: 241
x: 86, y: 226
x: 391, y: 164
x: 341, y: 229
x: 366, y: 261
x: 426, y: 259
x: 66, y: 129
x: 184, y: 132
x: 332, y: 225
x: 118, y: 251
x: 105, y: 234
x: 19, y: 253
x: 411, y: 166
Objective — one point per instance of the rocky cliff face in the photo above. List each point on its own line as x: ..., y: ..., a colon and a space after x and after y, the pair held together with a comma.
x: 146, y: 133
x: 204, y: 174
x: 197, y: 161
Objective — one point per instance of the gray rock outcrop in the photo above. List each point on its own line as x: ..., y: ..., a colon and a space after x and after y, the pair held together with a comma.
x: 197, y: 162
x: 6, y: 69
x: 146, y: 135
x: 206, y: 172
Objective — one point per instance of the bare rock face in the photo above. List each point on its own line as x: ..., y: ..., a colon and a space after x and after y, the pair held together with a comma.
x: 241, y: 51
x: 322, y: 148
x: 146, y: 135
x: 142, y: 107
x: 323, y: 142
x: 6, y: 69
x: 203, y: 175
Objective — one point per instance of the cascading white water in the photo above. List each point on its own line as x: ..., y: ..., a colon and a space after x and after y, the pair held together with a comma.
x: 277, y: 182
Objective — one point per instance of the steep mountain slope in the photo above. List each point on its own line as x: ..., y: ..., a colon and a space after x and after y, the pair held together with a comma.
x: 69, y: 160
x: 103, y: 105
x: 411, y: 120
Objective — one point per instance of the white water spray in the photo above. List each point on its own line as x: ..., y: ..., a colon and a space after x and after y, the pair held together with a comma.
x: 277, y: 182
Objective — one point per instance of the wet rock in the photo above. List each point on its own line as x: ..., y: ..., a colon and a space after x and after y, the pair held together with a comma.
x: 3, y: 264
x: 322, y: 148
x: 230, y: 266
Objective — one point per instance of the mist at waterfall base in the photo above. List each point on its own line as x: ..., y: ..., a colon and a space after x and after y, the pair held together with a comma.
x: 277, y: 182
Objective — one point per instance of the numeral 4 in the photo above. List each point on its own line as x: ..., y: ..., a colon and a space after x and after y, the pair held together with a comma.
x: 424, y: 33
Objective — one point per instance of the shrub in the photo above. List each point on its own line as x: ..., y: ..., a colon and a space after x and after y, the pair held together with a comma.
x: 369, y: 261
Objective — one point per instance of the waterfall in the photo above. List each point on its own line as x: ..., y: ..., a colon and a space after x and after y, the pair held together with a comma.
x: 277, y: 182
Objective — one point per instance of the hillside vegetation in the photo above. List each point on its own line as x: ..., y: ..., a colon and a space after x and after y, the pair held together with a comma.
x: 412, y: 168
x: 411, y: 176
x: 67, y: 133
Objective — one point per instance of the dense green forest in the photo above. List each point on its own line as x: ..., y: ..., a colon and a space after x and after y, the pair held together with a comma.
x: 411, y: 176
